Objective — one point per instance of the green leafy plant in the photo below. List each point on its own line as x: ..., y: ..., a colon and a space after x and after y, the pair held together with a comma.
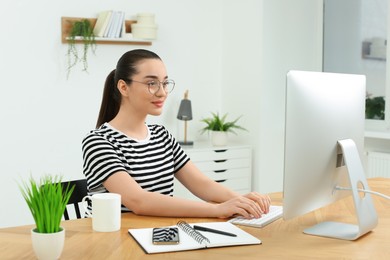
x: 46, y: 200
x: 84, y: 29
x: 375, y: 108
x: 218, y: 123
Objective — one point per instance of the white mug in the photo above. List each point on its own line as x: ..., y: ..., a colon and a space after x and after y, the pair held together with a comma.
x: 106, y: 211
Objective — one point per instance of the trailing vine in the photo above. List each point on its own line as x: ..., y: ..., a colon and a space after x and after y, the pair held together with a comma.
x: 84, y: 29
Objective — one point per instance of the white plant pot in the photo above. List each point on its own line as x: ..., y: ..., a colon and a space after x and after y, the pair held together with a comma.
x: 48, y: 246
x: 219, y: 138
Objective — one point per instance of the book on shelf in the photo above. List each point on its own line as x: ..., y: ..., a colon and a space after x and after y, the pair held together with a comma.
x: 109, y: 25
x: 123, y: 29
x: 115, y: 18
x: 101, y: 23
x: 191, y: 239
x: 116, y: 21
x: 118, y: 25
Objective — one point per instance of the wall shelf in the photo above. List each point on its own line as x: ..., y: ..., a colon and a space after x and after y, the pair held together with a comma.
x: 66, y: 26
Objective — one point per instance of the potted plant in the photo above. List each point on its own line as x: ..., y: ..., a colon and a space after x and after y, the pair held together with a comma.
x: 83, y: 29
x: 375, y: 108
x: 47, y: 200
x: 220, y: 127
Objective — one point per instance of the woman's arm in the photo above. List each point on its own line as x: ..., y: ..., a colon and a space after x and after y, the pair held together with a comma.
x: 209, y: 190
x: 143, y: 202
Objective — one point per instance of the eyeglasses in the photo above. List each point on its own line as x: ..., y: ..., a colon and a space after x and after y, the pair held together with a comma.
x: 154, y: 85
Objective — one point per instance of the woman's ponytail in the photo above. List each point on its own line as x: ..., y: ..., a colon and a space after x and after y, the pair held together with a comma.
x: 110, y: 101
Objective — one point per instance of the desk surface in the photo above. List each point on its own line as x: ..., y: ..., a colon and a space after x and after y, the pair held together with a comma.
x: 281, y: 239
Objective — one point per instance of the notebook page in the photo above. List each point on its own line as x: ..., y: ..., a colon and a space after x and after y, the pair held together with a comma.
x: 144, y: 238
x: 217, y: 240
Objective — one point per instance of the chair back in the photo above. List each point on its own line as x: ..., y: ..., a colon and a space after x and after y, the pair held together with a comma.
x: 78, y: 194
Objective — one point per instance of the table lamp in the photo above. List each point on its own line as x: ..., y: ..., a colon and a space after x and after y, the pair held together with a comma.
x: 185, y: 114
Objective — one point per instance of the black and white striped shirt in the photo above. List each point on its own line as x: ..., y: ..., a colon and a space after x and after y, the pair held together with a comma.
x: 151, y: 162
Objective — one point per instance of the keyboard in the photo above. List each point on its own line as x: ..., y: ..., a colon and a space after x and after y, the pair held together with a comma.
x: 275, y: 212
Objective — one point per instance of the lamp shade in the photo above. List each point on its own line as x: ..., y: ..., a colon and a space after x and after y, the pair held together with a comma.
x: 185, y: 110
x: 185, y: 114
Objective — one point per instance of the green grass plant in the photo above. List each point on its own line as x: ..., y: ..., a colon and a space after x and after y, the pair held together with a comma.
x: 46, y: 200
x: 219, y: 123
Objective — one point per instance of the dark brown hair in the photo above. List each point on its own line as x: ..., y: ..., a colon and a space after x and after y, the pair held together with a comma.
x: 125, y: 69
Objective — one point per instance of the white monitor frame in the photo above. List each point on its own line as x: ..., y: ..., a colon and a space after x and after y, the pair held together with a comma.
x: 323, y: 145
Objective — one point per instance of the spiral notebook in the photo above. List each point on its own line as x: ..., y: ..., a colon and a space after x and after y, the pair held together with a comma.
x: 191, y: 239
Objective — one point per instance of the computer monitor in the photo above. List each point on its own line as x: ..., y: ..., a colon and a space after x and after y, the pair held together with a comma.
x: 324, y: 138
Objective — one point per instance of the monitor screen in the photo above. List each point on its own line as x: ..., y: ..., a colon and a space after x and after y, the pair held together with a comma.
x: 321, y: 110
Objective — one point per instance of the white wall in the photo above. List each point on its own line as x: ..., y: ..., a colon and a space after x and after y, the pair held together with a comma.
x: 288, y: 35
x: 231, y: 55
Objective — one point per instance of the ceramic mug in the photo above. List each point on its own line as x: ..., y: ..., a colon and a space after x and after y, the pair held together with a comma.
x: 106, y: 211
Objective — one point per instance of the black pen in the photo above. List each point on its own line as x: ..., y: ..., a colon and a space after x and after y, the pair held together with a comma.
x: 214, y: 231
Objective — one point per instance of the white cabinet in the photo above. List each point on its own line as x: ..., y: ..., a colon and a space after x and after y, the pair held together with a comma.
x: 229, y: 165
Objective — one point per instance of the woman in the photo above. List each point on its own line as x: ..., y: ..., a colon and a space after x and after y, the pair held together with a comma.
x: 139, y: 161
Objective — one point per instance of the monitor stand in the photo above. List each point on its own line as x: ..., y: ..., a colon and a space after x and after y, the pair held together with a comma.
x: 364, y: 208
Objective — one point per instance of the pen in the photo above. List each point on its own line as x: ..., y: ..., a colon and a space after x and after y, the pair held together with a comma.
x: 214, y: 231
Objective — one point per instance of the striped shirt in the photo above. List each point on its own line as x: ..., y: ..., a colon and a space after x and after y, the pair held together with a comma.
x: 151, y: 162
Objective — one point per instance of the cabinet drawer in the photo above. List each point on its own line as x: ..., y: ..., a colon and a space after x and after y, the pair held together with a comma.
x: 215, y: 154
x: 237, y: 184
x: 231, y: 166
x: 230, y: 173
x: 219, y: 165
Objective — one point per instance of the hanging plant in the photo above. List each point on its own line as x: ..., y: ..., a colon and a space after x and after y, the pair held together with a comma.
x: 84, y: 30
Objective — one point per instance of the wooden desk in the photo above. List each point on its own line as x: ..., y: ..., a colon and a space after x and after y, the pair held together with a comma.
x: 281, y: 239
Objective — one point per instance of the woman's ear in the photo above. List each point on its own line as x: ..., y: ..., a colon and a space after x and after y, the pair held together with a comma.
x: 122, y: 87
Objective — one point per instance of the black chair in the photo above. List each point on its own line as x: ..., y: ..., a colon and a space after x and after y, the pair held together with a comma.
x: 80, y: 190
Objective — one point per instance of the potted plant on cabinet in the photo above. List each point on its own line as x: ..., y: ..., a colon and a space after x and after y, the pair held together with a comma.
x: 83, y: 29
x: 219, y: 128
x: 47, y: 200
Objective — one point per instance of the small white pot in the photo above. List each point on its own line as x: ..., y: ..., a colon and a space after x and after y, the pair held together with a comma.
x: 48, y: 246
x: 219, y: 138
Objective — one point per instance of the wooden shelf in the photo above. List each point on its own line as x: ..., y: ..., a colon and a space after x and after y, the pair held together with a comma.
x: 66, y: 26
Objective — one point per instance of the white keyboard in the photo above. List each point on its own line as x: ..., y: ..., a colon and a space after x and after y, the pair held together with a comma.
x: 275, y: 212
